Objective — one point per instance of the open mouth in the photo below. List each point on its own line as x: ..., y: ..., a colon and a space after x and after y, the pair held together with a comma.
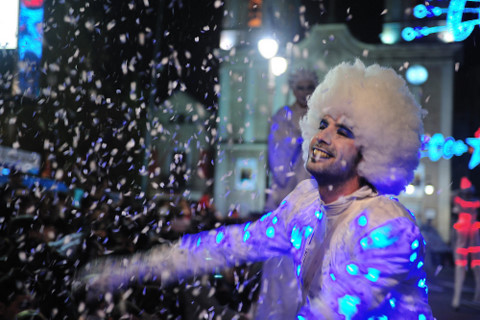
x: 318, y: 154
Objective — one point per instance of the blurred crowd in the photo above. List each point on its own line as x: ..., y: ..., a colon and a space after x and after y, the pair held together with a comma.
x: 46, y: 236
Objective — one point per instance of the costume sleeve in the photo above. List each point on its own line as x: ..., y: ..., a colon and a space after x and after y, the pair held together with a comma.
x: 283, y: 148
x: 378, y: 277
x: 194, y: 254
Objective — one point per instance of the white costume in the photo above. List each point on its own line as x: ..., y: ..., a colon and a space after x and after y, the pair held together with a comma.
x: 368, y: 246
x: 285, y: 154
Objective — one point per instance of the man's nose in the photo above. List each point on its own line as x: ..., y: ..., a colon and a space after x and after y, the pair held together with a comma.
x: 324, y: 135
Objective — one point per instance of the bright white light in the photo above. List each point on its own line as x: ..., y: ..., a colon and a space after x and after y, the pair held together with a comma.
x: 410, y: 189
x: 278, y: 65
x: 417, y: 74
x: 227, y: 39
x: 268, y: 47
x: 429, y: 189
x: 446, y: 36
x: 8, y: 24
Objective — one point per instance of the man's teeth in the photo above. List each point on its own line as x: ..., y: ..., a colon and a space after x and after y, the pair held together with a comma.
x: 319, y: 154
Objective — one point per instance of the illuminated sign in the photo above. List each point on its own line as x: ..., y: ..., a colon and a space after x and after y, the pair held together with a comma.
x: 458, y: 29
x: 437, y: 147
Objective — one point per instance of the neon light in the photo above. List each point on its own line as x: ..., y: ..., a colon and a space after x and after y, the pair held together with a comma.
x: 352, y: 269
x: 246, y: 236
x: 299, y: 268
x: 475, y: 159
x: 296, y: 238
x: 437, y: 147
x: 415, y: 244
x: 362, y: 221
x: 459, y: 29
x: 270, y: 232
x: 373, y: 274
x: 219, y: 237
x: 348, y: 306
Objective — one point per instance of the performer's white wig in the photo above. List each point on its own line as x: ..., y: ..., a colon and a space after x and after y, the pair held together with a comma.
x: 383, y: 115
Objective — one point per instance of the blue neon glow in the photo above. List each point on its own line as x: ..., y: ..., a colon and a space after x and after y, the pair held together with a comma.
x: 265, y: 216
x: 246, y: 226
x: 372, y: 274
x: 415, y: 245
x: 270, y: 232
x: 413, y: 257
x: 421, y: 316
x: 392, y: 302
x: 460, y: 30
x: 275, y: 220
x: 219, y: 237
x: 378, y: 238
x: 362, y: 221
x: 416, y: 74
x: 319, y: 214
x: 300, y: 318
x: 420, y: 264
x: 308, y: 231
x: 352, y: 269
x: 475, y: 159
x: 438, y: 147
x: 347, y: 306
x: 333, y: 276
x: 199, y: 240
x: 299, y: 268
x: 246, y: 236
x: 296, y: 238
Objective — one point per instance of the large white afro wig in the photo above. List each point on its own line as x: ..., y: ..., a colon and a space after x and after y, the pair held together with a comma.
x: 383, y: 114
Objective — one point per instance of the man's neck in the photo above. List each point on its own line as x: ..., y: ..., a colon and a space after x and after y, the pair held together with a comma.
x: 331, y: 193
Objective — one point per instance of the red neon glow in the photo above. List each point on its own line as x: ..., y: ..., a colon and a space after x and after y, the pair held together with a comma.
x: 462, y: 251
x: 477, y: 133
x: 466, y: 203
x: 32, y: 3
x: 462, y: 262
x: 474, y: 249
x: 475, y: 263
x: 465, y: 183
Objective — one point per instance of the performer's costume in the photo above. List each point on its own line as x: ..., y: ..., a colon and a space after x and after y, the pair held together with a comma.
x: 360, y: 257
x: 285, y: 154
x: 467, y: 240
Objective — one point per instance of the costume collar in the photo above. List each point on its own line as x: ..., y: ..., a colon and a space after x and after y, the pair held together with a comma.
x: 339, y: 205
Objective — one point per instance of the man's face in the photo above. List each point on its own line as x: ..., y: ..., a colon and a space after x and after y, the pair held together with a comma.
x: 302, y: 90
x: 333, y: 156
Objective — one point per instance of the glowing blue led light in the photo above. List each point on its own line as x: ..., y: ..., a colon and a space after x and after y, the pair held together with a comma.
x: 199, y: 240
x: 299, y: 268
x: 246, y: 236
x: 379, y: 238
x: 296, y: 238
x: 392, y: 302
x: 420, y: 264
x: 300, y: 318
x: 219, y: 237
x: 347, y: 306
x: 413, y: 257
x: 421, y: 316
x: 308, y: 231
x: 319, y: 214
x: 415, y: 244
x: 421, y: 283
x: 265, y: 216
x: 372, y: 274
x: 362, y: 221
x: 333, y: 276
x: 270, y: 232
x: 352, y: 269
x: 246, y: 226
x: 275, y: 220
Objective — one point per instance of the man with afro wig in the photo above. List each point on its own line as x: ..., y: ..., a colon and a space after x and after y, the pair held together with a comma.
x: 357, y: 252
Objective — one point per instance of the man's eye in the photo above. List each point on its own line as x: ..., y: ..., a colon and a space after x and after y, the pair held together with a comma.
x: 323, y: 125
x: 345, y: 132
